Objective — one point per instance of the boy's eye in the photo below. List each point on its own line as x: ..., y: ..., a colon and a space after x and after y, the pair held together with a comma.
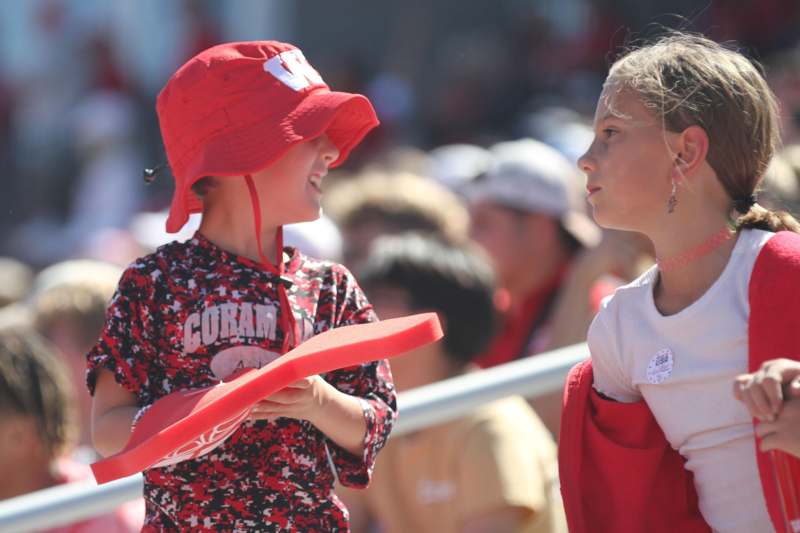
x: 608, y: 132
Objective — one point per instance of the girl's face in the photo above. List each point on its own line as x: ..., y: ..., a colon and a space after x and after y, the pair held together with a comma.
x: 628, y: 165
x: 290, y: 189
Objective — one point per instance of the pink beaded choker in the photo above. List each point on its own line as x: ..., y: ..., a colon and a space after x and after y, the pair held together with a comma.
x: 704, y: 248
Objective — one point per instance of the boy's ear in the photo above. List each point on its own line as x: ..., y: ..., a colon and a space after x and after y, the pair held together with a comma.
x: 691, y: 150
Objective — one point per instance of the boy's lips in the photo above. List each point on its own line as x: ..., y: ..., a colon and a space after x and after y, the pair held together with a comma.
x: 316, y: 181
x: 591, y: 189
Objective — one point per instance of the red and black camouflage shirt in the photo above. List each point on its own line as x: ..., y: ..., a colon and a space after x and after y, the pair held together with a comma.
x: 189, y: 315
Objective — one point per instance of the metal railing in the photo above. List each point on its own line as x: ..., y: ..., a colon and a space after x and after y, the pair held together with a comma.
x: 422, y: 407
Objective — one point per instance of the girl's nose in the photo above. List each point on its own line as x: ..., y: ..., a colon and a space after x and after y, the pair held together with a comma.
x: 586, y: 162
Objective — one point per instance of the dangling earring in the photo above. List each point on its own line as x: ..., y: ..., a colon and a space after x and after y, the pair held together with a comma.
x: 673, y: 197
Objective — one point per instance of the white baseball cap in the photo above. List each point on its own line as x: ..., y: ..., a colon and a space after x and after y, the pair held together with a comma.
x: 456, y: 165
x: 531, y: 176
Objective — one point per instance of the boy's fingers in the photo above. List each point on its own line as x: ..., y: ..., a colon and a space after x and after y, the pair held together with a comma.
x: 264, y: 406
x: 286, y: 396
x: 260, y: 416
x: 302, y: 383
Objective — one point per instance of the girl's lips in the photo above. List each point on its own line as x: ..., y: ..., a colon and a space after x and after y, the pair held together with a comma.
x: 590, y: 190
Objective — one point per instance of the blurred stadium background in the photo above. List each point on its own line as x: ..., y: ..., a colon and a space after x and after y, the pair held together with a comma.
x: 78, y: 80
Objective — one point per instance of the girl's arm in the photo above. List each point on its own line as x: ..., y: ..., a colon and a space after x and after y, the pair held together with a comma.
x: 113, y: 409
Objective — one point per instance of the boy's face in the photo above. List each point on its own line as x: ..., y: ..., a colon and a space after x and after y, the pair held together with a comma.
x: 290, y: 189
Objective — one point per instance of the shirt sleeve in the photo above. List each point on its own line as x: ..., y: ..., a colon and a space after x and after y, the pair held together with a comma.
x: 125, y: 346
x: 371, y: 383
x: 611, y: 379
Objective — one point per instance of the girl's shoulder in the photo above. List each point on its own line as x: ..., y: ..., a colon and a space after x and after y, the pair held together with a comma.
x: 753, y: 241
x: 777, y: 262
x: 630, y: 294
x: 782, y: 246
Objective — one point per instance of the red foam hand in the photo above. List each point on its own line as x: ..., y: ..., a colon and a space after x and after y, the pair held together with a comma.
x: 187, y: 424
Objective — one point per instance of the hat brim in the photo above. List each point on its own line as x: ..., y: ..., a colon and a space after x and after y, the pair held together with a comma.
x: 345, y: 117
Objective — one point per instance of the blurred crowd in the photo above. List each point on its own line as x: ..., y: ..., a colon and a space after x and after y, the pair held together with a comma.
x: 467, y: 202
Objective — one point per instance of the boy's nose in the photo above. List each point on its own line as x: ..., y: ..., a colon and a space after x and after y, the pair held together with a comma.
x: 328, y: 150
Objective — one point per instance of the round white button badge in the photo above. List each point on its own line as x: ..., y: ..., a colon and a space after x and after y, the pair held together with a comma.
x: 660, y: 367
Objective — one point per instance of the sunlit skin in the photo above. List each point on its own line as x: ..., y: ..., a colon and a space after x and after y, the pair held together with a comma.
x: 630, y: 167
x: 628, y: 164
x: 289, y: 191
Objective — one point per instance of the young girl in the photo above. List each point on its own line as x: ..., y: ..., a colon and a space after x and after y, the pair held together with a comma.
x: 684, y: 130
x: 252, y: 128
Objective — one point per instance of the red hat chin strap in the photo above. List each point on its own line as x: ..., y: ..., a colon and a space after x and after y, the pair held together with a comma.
x: 288, y: 321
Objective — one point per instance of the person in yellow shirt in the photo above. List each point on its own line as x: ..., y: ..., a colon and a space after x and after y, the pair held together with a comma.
x: 493, y: 470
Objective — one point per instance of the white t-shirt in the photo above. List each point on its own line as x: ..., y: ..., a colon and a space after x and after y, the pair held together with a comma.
x: 684, y: 366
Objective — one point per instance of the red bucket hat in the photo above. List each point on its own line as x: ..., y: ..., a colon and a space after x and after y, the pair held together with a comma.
x: 235, y: 108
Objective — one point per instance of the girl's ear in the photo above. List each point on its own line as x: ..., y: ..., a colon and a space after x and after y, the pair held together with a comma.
x: 691, y: 150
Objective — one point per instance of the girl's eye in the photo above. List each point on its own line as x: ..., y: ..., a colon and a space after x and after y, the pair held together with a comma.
x: 608, y: 132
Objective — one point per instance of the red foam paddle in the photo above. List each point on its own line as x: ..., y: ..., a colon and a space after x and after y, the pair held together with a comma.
x: 187, y: 424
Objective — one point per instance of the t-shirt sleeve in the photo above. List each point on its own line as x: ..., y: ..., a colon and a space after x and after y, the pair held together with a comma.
x: 125, y: 345
x: 498, y: 468
x: 371, y: 383
x: 611, y: 378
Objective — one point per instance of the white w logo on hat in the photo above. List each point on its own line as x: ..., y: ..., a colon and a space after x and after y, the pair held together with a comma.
x: 292, y: 69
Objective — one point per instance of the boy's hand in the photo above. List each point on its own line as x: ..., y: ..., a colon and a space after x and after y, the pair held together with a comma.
x: 784, y: 433
x: 762, y: 392
x: 303, y: 400
x: 338, y: 415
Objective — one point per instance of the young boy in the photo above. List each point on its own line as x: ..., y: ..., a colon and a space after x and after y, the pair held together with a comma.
x: 246, y: 124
